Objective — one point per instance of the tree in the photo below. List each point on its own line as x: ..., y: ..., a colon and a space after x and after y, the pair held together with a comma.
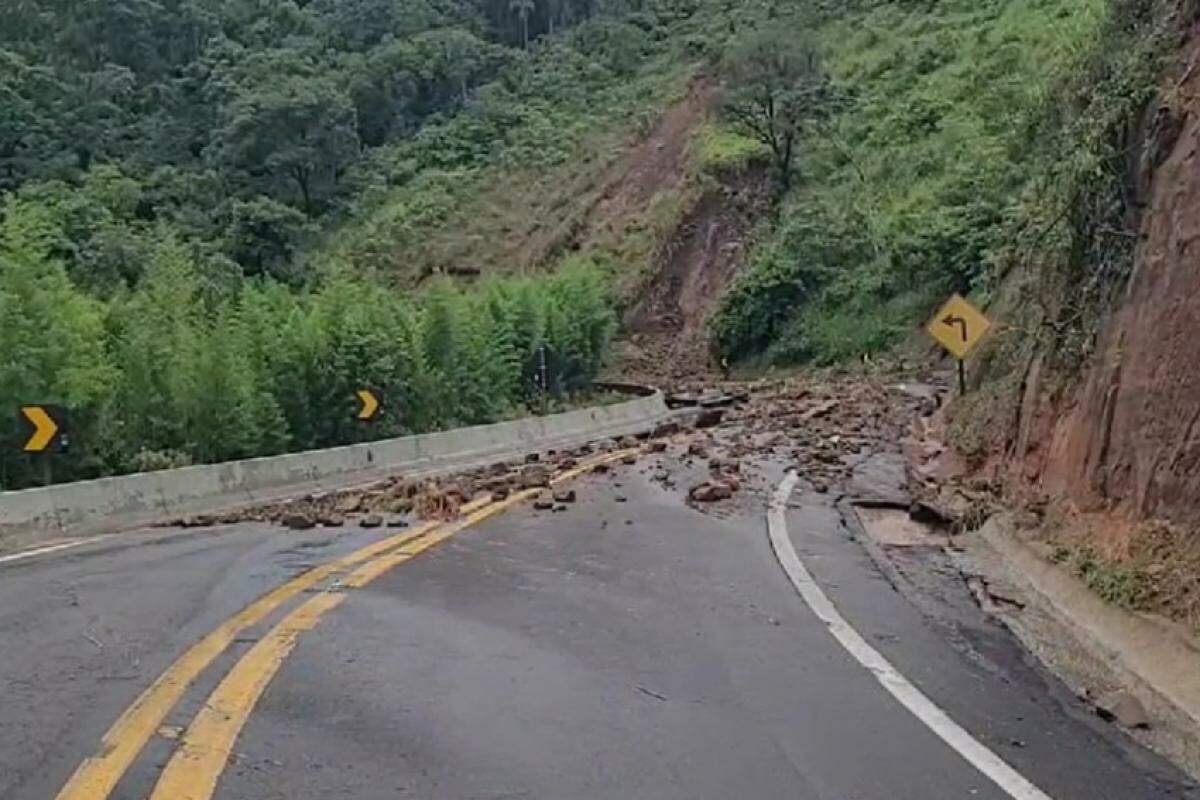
x: 522, y: 8
x: 264, y: 237
x: 28, y: 129
x: 777, y: 88
x: 53, y: 335
x: 299, y: 130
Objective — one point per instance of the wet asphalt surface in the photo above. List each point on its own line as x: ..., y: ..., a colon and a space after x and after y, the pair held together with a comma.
x: 629, y: 646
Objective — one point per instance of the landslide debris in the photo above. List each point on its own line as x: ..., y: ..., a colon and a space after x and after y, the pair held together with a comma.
x: 398, y: 498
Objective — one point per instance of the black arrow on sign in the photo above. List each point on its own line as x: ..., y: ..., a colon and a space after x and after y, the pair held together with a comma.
x: 952, y: 320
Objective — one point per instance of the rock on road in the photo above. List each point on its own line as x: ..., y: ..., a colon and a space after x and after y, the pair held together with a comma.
x: 627, y: 646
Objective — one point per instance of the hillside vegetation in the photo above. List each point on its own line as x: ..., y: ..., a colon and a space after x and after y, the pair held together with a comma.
x: 203, y: 200
x: 967, y: 129
x: 220, y: 217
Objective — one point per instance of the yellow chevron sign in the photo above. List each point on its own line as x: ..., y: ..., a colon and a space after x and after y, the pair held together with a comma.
x: 370, y: 404
x: 42, y: 426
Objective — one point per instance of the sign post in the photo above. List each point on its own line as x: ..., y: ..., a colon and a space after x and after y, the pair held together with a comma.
x: 958, y: 326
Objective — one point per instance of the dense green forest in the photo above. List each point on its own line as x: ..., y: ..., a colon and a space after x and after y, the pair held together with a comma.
x: 171, y: 174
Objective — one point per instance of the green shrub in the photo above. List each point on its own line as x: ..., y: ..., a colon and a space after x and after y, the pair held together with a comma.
x: 170, y: 373
x: 909, y: 191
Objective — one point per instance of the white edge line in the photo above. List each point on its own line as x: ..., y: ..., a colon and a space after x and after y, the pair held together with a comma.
x: 53, y: 548
x: 949, y: 731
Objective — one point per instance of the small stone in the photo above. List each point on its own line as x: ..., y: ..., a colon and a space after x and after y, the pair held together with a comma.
x: 543, y: 502
x: 349, y: 503
x: 535, y: 475
x: 397, y: 522
x: 620, y: 498
x: 371, y: 521
x: 1123, y: 707
x: 298, y: 521
x: 709, y: 417
x: 500, y: 493
x: 819, y: 487
x: 665, y: 429
x: 568, y: 463
x: 710, y: 492
x: 657, y: 447
x: 929, y: 513
x: 332, y: 520
x: 629, y: 458
x: 600, y: 469
x: 403, y: 505
x: 532, y: 458
x: 564, y: 496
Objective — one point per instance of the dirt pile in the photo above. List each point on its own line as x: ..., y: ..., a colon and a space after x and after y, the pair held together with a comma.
x: 668, y: 341
x: 399, y: 498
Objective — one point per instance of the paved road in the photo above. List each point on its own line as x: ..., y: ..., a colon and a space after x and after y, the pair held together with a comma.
x: 627, y: 647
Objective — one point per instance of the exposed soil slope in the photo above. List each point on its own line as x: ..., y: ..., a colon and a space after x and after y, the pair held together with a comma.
x: 668, y: 318
x: 1107, y: 458
x: 1128, y: 438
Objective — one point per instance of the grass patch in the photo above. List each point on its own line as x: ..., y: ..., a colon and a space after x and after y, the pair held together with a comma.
x: 907, y: 195
x: 720, y: 149
x: 1124, y: 585
x: 536, y: 154
x: 1150, y: 566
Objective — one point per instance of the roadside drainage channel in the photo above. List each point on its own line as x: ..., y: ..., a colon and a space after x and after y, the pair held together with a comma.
x: 1097, y: 650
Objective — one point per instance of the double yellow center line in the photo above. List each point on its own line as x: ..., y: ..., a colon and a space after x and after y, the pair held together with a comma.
x: 198, y: 762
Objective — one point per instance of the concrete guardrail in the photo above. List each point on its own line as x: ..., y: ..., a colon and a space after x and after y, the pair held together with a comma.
x: 130, y: 501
